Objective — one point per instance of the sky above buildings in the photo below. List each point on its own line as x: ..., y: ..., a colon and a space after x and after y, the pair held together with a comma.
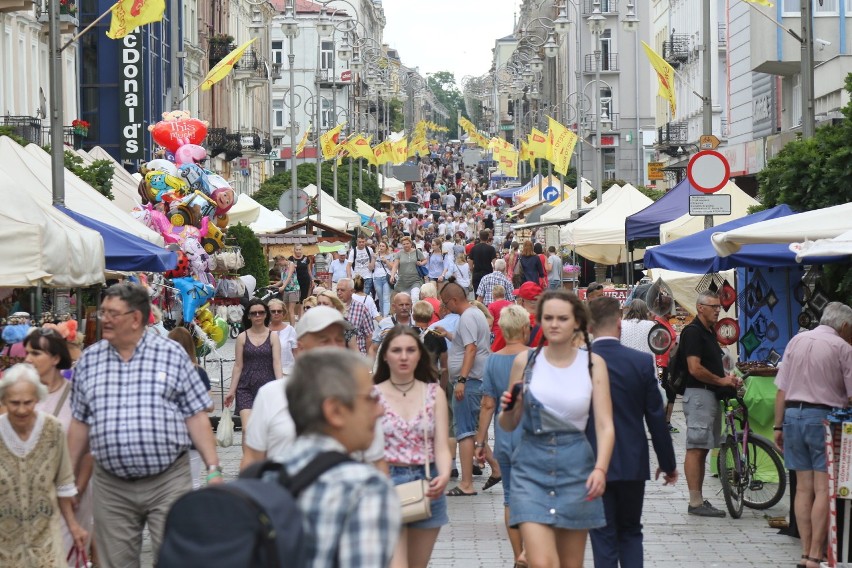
x: 448, y: 35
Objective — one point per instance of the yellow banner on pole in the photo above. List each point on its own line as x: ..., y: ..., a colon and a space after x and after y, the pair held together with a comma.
x: 665, y: 76
x: 561, y: 142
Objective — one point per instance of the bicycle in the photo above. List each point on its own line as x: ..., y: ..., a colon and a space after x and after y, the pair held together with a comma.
x: 750, y: 467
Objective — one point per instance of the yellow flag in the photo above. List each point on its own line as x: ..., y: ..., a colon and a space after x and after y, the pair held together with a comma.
x: 525, y: 151
x: 359, y: 147
x: 665, y: 76
x: 221, y: 69
x: 509, y: 162
x: 400, y: 151
x: 300, y: 148
x: 329, y: 141
x: 127, y: 15
x: 761, y: 2
x: 538, y: 144
x: 384, y: 152
x: 560, y: 143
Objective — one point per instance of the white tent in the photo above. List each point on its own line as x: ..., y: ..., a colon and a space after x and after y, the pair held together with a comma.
x: 599, y: 235
x: 687, y: 224
x: 41, y: 244
x: 31, y: 168
x: 684, y: 287
x: 839, y: 245
x: 824, y: 223
x: 269, y: 221
x: 125, y: 189
x: 392, y: 185
x: 333, y: 213
x: 562, y: 211
x: 365, y: 208
x: 257, y: 217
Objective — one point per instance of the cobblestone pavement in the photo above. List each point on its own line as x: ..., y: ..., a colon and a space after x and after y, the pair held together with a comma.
x: 475, y: 536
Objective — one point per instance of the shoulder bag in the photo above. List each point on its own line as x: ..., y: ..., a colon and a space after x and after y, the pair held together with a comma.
x: 416, y: 505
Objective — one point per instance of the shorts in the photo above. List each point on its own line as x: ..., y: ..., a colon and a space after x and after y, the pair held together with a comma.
x: 290, y: 297
x: 703, y: 419
x: 404, y: 474
x: 804, y: 439
x: 466, y: 410
x: 450, y: 397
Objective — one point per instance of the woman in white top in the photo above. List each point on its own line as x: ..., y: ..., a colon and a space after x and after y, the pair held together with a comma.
x: 637, y: 326
x: 358, y: 295
x: 460, y: 268
x: 279, y: 320
x: 557, y: 480
x: 381, y: 277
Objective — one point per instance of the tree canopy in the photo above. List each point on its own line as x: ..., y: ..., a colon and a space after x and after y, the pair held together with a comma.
x: 443, y: 85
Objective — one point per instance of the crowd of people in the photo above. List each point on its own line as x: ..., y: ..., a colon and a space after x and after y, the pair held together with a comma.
x: 430, y: 333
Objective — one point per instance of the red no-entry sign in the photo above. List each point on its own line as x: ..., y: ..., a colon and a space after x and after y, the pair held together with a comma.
x: 708, y: 171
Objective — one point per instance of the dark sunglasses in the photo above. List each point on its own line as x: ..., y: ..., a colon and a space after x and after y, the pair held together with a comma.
x: 257, y: 313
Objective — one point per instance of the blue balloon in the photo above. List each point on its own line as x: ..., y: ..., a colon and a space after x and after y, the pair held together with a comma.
x: 193, y: 294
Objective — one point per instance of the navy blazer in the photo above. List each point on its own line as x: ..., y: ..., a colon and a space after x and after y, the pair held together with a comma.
x: 635, y: 397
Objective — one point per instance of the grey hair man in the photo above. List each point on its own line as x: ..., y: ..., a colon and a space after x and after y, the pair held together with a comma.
x: 700, y: 407
x: 485, y: 290
x: 353, y: 508
x: 141, y: 453
x: 816, y: 376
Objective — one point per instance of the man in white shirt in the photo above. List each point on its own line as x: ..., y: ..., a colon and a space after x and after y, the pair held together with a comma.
x: 271, y: 429
x: 442, y: 227
x: 337, y: 267
x: 362, y: 261
x: 463, y: 228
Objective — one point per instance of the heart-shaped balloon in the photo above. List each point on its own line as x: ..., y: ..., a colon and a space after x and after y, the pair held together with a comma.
x: 172, y: 134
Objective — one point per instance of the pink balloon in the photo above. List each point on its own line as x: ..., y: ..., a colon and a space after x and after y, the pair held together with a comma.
x: 190, y: 154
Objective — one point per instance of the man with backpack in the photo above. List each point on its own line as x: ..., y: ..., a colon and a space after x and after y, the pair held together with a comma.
x: 362, y: 260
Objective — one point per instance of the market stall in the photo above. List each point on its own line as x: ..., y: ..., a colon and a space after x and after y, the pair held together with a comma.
x: 688, y: 224
x: 125, y: 189
x: 333, y: 213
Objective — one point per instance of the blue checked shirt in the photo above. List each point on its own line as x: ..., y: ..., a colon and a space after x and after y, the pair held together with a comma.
x: 136, y: 410
x: 351, y: 512
x: 486, y: 287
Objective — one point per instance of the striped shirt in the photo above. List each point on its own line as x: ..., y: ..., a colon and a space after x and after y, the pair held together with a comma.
x: 137, y: 410
x: 352, y: 511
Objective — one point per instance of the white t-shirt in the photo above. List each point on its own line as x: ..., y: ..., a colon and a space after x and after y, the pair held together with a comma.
x: 406, y: 224
x: 447, y: 248
x: 361, y: 265
x: 368, y: 302
x: 442, y: 229
x: 287, y: 338
x: 548, y: 385
x: 463, y: 228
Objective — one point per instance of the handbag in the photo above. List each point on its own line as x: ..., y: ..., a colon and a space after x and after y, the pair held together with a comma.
x: 225, y: 429
x: 423, y: 270
x: 80, y: 559
x: 416, y: 505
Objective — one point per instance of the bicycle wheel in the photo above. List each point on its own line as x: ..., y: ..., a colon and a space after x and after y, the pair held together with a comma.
x: 767, y: 476
x: 234, y: 330
x: 729, y: 475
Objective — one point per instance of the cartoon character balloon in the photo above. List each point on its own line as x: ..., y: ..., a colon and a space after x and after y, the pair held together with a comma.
x: 177, y: 129
x: 190, y: 154
x: 193, y: 294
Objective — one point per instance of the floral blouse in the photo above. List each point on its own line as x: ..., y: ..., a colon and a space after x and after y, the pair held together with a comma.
x: 404, y: 441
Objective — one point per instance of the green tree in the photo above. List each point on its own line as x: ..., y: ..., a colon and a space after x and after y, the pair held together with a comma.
x: 270, y: 191
x: 815, y: 173
x: 397, y: 117
x: 98, y: 174
x: 256, y: 262
x: 443, y: 85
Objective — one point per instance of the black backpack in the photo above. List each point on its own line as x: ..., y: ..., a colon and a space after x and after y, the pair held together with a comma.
x: 678, y: 370
x: 252, y: 521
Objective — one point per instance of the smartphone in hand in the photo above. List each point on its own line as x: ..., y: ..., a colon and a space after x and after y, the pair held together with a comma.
x: 513, y: 395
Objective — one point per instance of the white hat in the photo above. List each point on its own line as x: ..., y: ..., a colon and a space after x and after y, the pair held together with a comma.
x: 341, y: 250
x: 318, y: 318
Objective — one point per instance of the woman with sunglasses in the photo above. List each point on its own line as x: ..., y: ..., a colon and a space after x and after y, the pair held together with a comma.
x: 47, y: 351
x: 258, y: 359
x: 415, y: 426
x: 279, y: 322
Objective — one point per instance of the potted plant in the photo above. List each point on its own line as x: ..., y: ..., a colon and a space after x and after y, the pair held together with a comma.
x: 221, y: 39
x: 67, y: 8
x: 80, y: 127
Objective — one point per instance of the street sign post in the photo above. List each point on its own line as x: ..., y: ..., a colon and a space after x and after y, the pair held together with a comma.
x: 701, y: 205
x: 708, y: 142
x: 708, y: 171
x: 550, y: 194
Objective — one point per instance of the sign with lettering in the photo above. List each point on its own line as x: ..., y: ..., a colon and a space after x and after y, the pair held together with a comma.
x: 655, y: 171
x: 700, y: 205
x: 130, y: 108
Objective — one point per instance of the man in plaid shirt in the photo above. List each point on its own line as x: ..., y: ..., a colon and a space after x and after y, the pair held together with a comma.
x: 485, y: 291
x: 352, y: 509
x: 357, y: 314
x: 137, y: 400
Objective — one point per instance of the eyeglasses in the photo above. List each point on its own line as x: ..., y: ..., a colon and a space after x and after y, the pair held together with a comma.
x: 715, y: 307
x: 275, y: 311
x: 254, y: 314
x: 111, y: 314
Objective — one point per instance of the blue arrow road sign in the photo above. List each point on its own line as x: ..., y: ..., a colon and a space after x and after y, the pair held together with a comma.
x: 550, y: 194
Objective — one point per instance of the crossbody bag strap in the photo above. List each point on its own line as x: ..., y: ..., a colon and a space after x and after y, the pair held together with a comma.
x: 425, y: 431
x: 62, y: 399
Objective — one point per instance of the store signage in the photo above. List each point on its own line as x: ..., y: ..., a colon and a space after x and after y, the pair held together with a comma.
x: 609, y: 141
x: 346, y: 76
x: 700, y: 205
x: 655, y: 171
x: 131, y: 107
x: 246, y: 140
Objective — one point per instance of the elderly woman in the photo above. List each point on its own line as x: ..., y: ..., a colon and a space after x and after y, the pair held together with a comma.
x: 429, y: 293
x: 36, y: 480
x: 637, y: 326
x: 48, y: 353
x: 404, y: 273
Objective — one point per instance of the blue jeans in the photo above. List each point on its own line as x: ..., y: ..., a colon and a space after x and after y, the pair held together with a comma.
x: 466, y: 410
x: 383, y: 293
x: 368, y: 286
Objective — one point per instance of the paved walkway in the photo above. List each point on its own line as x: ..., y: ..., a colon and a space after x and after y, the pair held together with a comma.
x: 475, y: 536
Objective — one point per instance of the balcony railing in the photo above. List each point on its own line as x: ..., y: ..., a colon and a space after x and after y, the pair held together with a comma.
x: 676, y: 49
x: 217, y: 51
x: 276, y: 71
x: 607, y: 6
x: 329, y: 77
x: 27, y: 127
x: 69, y: 137
x: 609, y: 123
x: 609, y: 63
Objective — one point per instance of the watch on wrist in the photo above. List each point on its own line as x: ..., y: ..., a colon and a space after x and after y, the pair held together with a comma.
x: 479, y: 444
x: 462, y: 380
x: 214, y: 468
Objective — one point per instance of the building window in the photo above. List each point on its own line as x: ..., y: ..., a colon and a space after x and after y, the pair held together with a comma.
x: 277, y: 140
x: 278, y: 113
x: 606, y: 49
x: 608, y: 163
x: 278, y: 52
x: 826, y: 8
x: 327, y: 114
x: 327, y: 55
x: 606, y: 103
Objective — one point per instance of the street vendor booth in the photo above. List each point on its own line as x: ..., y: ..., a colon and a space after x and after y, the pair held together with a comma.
x: 333, y: 213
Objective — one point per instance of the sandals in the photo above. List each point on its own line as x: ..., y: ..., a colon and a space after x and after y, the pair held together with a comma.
x: 457, y: 492
x: 491, y: 482
x: 807, y: 559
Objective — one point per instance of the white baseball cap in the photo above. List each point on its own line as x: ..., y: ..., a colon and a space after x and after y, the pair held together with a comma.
x: 318, y: 318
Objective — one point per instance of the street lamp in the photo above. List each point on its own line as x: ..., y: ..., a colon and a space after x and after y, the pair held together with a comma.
x: 290, y: 28
x: 596, y: 23
x: 325, y: 27
x: 550, y: 47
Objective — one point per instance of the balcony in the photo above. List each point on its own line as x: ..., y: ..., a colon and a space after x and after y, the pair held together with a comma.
x: 328, y: 78
x: 676, y: 49
x: 70, y: 137
x: 275, y: 68
x: 16, y: 5
x: 220, y: 141
x: 251, y: 141
x: 609, y: 122
x: 260, y: 76
x: 217, y: 51
x: 607, y: 7
x: 27, y: 127
x: 609, y: 63
x: 671, y: 137
x: 248, y: 65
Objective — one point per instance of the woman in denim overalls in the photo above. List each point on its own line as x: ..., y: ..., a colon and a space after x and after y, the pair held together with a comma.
x: 557, y: 481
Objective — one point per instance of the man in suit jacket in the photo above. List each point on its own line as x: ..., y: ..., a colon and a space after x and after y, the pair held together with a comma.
x: 635, y: 397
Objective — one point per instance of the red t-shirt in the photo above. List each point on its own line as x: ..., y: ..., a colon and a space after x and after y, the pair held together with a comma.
x: 537, y: 337
x: 494, y: 309
x: 468, y: 247
x: 436, y: 304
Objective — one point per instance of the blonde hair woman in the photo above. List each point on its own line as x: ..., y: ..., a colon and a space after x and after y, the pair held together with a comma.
x: 279, y: 321
x: 331, y: 300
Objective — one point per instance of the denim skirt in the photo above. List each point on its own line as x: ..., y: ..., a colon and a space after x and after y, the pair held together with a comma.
x: 404, y: 474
